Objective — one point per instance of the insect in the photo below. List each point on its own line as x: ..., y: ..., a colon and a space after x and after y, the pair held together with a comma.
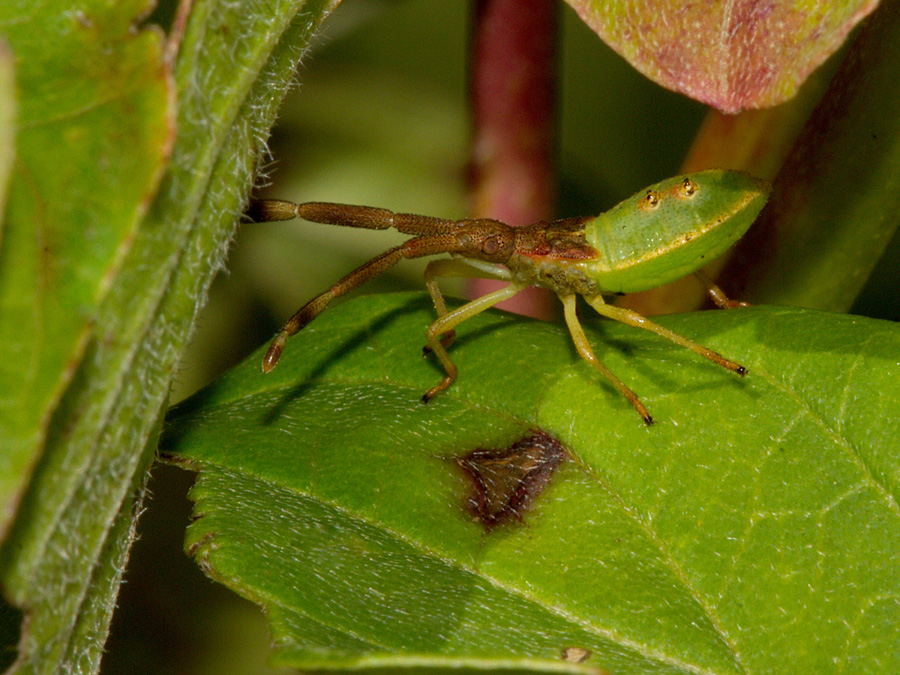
x: 660, y: 234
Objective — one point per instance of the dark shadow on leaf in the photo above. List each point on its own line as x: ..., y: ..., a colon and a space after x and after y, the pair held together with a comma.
x: 365, y: 334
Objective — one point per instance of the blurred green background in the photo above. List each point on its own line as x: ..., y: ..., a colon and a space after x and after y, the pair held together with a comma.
x: 378, y: 118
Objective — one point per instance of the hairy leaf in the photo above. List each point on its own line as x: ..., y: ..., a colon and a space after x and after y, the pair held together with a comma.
x: 98, y: 290
x: 75, y: 198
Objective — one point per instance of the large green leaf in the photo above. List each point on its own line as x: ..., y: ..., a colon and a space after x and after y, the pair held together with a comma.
x: 753, y: 529
x: 731, y: 55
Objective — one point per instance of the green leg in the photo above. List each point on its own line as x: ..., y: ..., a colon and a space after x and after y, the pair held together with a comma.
x: 632, y: 318
x: 717, y: 294
x: 587, y: 353
x: 454, y: 267
x: 448, y: 321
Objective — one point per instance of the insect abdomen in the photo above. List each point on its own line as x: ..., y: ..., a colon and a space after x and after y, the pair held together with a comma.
x: 672, y: 228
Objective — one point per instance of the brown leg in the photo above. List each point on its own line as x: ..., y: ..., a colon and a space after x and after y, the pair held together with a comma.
x: 317, y: 305
x: 488, y: 240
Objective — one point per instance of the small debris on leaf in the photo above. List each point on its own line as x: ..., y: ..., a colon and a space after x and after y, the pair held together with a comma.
x: 575, y: 654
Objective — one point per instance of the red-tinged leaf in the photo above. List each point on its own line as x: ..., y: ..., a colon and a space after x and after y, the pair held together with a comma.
x: 732, y: 55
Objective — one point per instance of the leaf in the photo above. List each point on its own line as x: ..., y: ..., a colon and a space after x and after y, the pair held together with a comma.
x: 74, y: 199
x: 730, y: 55
x: 752, y: 529
x: 98, y: 372
x: 88, y: 86
x: 828, y: 222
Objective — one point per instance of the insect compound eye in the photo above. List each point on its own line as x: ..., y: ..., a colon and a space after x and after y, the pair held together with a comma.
x: 688, y: 188
x: 490, y: 245
x: 650, y: 200
x: 498, y: 245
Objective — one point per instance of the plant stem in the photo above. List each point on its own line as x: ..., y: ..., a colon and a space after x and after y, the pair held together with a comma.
x: 512, y: 98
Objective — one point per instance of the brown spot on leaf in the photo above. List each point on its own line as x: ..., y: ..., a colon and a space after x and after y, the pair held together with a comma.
x: 506, y: 481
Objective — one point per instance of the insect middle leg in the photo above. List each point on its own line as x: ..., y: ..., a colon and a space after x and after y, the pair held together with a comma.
x: 583, y: 345
x: 448, y: 321
x: 455, y: 267
x: 632, y: 318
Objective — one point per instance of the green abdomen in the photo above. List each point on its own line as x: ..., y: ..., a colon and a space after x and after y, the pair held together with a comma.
x: 672, y: 228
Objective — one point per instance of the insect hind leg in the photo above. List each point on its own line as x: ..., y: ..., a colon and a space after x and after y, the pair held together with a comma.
x: 632, y: 318
x: 716, y: 294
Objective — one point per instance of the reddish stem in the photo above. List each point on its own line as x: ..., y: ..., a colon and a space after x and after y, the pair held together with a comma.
x: 512, y: 93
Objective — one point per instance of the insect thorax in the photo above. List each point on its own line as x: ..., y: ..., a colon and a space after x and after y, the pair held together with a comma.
x: 562, y: 278
x: 554, y: 256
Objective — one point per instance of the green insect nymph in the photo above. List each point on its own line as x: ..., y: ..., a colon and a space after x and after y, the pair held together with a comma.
x: 661, y: 234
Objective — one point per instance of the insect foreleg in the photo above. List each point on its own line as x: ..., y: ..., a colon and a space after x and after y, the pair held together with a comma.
x: 631, y: 318
x: 583, y: 346
x: 717, y: 294
x: 317, y: 305
x: 488, y: 240
x: 455, y: 267
x: 416, y: 247
x: 449, y: 321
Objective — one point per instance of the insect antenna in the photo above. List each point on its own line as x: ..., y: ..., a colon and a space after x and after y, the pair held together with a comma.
x: 266, y: 210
